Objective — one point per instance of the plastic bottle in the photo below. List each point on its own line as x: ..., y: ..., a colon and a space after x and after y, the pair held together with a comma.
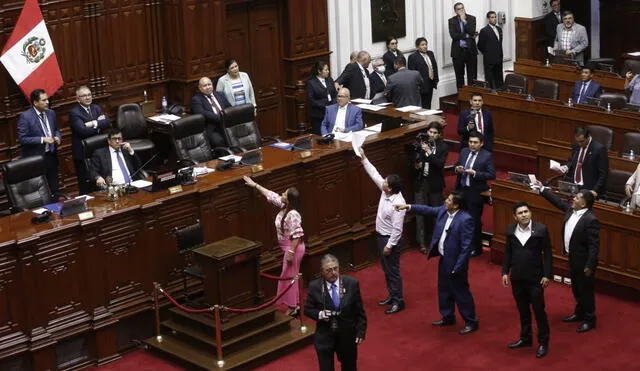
x: 608, y: 107
x: 570, y: 102
x: 164, y: 104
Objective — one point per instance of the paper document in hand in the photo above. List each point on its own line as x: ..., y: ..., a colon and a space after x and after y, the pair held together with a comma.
x: 377, y: 128
x: 429, y: 112
x: 554, y: 165
x: 358, y: 140
x: 550, y: 50
x: 361, y: 100
x: 532, y: 179
x: 345, y: 137
x: 370, y: 107
x: 409, y: 108
x: 140, y: 183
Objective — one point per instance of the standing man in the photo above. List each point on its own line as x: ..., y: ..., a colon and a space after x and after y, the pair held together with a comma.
x: 476, y: 119
x: 588, y: 164
x: 404, y: 86
x: 341, y: 117
x: 38, y: 134
x: 490, y: 44
x: 571, y: 38
x: 355, y: 77
x: 335, y: 303
x: 423, y: 61
x: 528, y: 257
x: 378, y: 79
x: 210, y: 103
x: 462, y: 29
x: 551, y: 22
x: 581, y: 241
x: 474, y: 168
x: 452, y: 242
x: 389, y: 224
x: 586, y: 87
x: 86, y: 120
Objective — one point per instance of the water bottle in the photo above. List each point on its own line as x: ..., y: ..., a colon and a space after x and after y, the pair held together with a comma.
x: 608, y: 107
x: 632, y: 155
x: 570, y: 102
x: 627, y: 207
x: 164, y: 104
x: 146, y: 97
x: 529, y: 97
x: 546, y: 63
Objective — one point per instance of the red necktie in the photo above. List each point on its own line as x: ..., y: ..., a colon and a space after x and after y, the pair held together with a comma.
x: 214, y: 104
x: 480, y: 125
x: 578, y: 176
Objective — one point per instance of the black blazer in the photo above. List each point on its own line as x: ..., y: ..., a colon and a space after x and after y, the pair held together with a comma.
x: 101, y: 164
x: 584, y: 244
x: 436, y: 162
x: 457, y: 35
x: 532, y: 261
x: 317, y: 96
x: 389, y: 60
x: 377, y: 85
x: 200, y: 105
x: 490, y: 45
x: 595, y: 166
x: 77, y: 117
x: 485, y: 170
x: 416, y: 62
x: 550, y: 25
x: 352, y: 322
x: 487, y: 122
x: 352, y: 79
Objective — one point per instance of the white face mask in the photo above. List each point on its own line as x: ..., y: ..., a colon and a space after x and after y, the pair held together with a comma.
x: 380, y: 69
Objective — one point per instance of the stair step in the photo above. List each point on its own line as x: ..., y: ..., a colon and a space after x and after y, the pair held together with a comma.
x: 242, y: 320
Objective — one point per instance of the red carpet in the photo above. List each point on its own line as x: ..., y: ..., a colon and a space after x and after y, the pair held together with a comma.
x: 407, y: 341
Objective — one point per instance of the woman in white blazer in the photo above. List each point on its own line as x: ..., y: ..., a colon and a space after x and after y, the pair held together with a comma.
x: 235, y: 85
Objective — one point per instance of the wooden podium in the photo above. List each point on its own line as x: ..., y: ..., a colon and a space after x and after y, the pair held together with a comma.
x: 231, y: 271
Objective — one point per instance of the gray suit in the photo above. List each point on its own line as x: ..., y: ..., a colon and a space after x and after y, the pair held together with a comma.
x: 404, y: 88
x: 579, y: 42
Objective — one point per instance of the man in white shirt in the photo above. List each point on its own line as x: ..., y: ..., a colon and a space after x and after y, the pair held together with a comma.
x: 115, y: 164
x: 343, y: 116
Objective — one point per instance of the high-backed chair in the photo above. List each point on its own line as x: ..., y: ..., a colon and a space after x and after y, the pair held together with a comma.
x: 240, y: 127
x: 190, y: 140
x: 602, y: 135
x: 189, y: 238
x: 617, y: 100
x: 26, y: 183
x: 89, y: 146
x: 614, y: 187
x: 630, y: 141
x: 545, y: 89
x: 515, y: 83
x: 134, y: 129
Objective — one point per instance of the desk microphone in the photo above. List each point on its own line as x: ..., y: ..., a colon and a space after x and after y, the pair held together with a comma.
x: 128, y: 188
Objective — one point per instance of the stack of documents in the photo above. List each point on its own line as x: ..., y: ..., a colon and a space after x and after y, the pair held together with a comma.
x: 165, y: 118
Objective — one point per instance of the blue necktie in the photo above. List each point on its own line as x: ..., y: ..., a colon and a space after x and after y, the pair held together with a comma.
x: 334, y: 296
x: 123, y: 168
x: 584, y: 86
x: 463, y: 42
x: 466, y: 181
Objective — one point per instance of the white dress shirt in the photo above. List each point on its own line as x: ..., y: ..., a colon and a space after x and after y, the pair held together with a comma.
x: 523, y: 235
x: 116, y: 173
x: 495, y: 31
x: 469, y: 165
x: 446, y: 231
x: 324, y: 83
x: 341, y: 118
x: 367, y: 84
x: 570, y: 226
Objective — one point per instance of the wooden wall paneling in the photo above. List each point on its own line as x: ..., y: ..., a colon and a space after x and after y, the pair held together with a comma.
x: 530, y: 38
x: 13, y: 324
x: 156, y: 40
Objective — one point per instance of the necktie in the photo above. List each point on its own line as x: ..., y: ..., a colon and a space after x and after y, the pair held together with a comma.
x: 215, y: 105
x: 578, y: 176
x: 463, y: 42
x: 45, y: 130
x: 123, y: 167
x: 335, y: 298
x: 429, y: 66
x: 466, y: 178
x: 383, y: 78
x: 584, y: 87
x: 480, y: 124
x: 89, y: 112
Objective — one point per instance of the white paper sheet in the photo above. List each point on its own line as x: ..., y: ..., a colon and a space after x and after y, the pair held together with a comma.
x: 377, y: 128
x: 550, y: 50
x: 197, y: 171
x: 361, y: 100
x: 344, y: 137
x: 384, y: 104
x: 634, y: 54
x: 230, y: 157
x: 429, y: 112
x: 370, y: 107
x: 357, y: 142
x: 165, y: 118
x: 140, y: 183
x: 39, y: 210
x: 554, y: 165
x: 409, y: 108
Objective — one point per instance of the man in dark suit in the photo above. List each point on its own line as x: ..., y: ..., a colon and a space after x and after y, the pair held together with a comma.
x: 551, y: 22
x: 38, y: 134
x: 452, y: 242
x: 462, y: 29
x: 586, y: 87
x: 474, y: 167
x: 210, y: 103
x: 588, y: 164
x: 429, y: 178
x: 378, y: 78
x: 355, y: 77
x: 342, y: 117
x: 476, y: 119
x: 86, y: 120
x: 334, y: 302
x: 115, y: 164
x: 528, y: 257
x: 404, y: 86
x: 424, y: 62
x: 490, y: 44
x: 581, y: 241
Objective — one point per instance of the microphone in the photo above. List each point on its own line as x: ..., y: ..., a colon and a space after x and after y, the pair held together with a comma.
x: 128, y: 187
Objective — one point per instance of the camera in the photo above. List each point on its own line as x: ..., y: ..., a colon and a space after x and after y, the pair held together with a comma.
x: 333, y: 318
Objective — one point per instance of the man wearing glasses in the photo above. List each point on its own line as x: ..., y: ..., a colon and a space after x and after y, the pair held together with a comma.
x: 462, y: 29
x: 571, y: 38
x: 86, y: 120
x: 115, y: 163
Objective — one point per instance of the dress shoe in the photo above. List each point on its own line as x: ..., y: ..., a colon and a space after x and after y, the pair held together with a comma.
x: 443, y: 322
x: 542, y: 351
x: 520, y: 344
x: 395, y: 308
x: 467, y: 329
x: 572, y: 318
x: 586, y: 326
x: 386, y: 301
x: 475, y: 253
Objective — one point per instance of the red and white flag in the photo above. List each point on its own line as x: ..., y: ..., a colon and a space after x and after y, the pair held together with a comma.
x: 28, y: 54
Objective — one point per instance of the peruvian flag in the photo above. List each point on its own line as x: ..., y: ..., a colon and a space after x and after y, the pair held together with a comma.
x: 28, y: 54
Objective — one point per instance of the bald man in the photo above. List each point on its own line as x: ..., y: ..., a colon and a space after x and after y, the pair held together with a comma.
x: 210, y: 104
x: 341, y: 117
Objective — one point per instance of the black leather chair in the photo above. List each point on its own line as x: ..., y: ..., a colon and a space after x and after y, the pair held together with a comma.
x: 602, y: 135
x: 617, y: 100
x: 187, y: 239
x: 190, y: 140
x: 26, y: 183
x: 614, y: 187
x: 545, y: 89
x: 89, y: 146
x: 630, y: 141
x: 515, y: 83
x: 134, y: 129
x: 240, y: 128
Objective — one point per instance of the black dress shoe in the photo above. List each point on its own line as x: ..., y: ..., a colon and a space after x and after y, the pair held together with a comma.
x: 586, y: 326
x: 572, y: 318
x: 475, y: 253
x: 467, y: 329
x: 395, y: 308
x: 542, y: 351
x: 520, y: 344
x: 443, y: 322
x: 386, y: 301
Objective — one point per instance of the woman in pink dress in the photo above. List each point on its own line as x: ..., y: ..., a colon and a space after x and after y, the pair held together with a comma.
x: 289, y: 228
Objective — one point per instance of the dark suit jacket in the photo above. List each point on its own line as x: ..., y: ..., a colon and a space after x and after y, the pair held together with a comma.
x: 30, y: 132
x: 436, y: 162
x: 404, y: 88
x: 595, y: 166
x: 352, y: 121
x: 200, y: 105
x: 77, y: 117
x: 352, y: 79
x: 485, y: 170
x: 457, y: 244
x: 456, y: 35
x: 416, y: 62
x: 101, y: 164
x: 532, y: 261
x: 584, y: 244
x: 550, y: 25
x: 490, y: 45
x: 317, y: 96
x: 389, y: 60
x: 352, y: 322
x: 377, y: 85
x: 593, y: 90
x: 487, y: 121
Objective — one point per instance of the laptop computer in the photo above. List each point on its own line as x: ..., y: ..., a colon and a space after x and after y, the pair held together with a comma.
x: 392, y: 123
x: 73, y: 206
x: 518, y: 178
x: 568, y: 187
x: 252, y: 157
x: 302, y: 143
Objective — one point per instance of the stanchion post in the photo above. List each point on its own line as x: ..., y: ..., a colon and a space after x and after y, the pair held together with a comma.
x: 303, y: 328
x: 156, y: 288
x: 216, y: 311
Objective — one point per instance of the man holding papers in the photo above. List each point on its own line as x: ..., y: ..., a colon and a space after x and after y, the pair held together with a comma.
x: 588, y: 164
x: 342, y: 117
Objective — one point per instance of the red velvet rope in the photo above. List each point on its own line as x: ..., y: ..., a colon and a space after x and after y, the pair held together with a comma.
x: 260, y: 307
x: 183, y: 308
x: 277, y: 278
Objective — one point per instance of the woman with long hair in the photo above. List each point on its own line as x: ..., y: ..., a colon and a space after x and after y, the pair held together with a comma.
x: 235, y: 85
x: 289, y: 229
x: 321, y: 92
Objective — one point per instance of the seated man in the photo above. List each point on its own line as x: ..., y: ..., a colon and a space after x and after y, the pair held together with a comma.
x: 210, y: 104
x: 342, y: 117
x: 588, y: 163
x: 115, y: 163
x: 586, y: 87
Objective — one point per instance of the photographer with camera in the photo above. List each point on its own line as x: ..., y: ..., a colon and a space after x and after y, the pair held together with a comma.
x: 431, y: 154
x: 476, y: 119
x: 335, y: 303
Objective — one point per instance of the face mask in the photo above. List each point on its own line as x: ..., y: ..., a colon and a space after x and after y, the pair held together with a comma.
x: 380, y: 69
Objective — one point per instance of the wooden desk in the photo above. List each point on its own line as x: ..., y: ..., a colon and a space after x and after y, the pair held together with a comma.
x: 520, y: 124
x: 92, y: 281
x: 566, y: 76
x: 619, y: 258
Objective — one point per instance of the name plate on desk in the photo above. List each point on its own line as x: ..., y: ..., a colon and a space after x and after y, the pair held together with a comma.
x: 175, y: 189
x: 305, y: 154
x: 256, y: 168
x: 85, y: 215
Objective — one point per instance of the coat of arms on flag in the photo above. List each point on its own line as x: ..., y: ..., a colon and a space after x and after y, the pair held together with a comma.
x: 33, y: 49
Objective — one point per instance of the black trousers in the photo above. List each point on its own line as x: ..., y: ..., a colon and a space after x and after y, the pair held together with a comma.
x: 391, y: 267
x: 424, y: 225
x: 344, y: 347
x: 475, y: 206
x: 316, y: 123
x: 51, y: 168
x: 530, y: 294
x: 82, y: 173
x: 426, y: 98
x: 583, y: 289
x: 470, y: 61
x: 493, y: 75
x: 216, y: 139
